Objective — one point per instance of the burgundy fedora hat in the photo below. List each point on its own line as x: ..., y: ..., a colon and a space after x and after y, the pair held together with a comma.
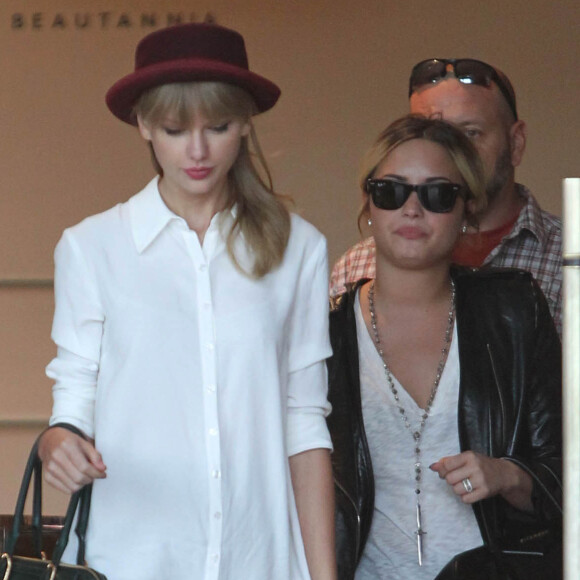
x: 184, y: 53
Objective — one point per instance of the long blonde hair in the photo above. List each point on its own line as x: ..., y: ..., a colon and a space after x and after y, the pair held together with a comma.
x: 262, y: 218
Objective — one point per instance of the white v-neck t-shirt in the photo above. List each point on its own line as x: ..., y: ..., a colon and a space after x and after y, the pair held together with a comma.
x: 450, y: 525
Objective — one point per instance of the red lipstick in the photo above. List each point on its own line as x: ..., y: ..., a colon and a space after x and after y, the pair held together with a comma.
x: 198, y: 173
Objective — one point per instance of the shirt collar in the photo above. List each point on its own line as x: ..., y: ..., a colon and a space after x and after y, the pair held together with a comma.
x: 149, y: 215
x: 530, y: 217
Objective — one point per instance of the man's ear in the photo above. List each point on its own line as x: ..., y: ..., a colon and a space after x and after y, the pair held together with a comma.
x: 518, y: 135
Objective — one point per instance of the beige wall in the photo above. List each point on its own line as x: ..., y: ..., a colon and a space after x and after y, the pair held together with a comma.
x: 343, y: 68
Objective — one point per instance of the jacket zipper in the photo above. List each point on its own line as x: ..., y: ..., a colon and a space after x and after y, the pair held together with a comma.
x: 500, y: 397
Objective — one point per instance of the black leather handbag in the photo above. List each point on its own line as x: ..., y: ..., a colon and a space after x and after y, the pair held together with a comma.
x: 483, y: 564
x: 14, y: 567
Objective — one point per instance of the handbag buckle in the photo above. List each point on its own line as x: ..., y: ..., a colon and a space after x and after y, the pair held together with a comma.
x: 50, y: 566
x: 8, y: 566
x: 52, y: 569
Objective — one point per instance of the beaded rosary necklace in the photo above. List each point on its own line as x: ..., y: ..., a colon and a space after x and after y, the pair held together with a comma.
x: 403, y: 414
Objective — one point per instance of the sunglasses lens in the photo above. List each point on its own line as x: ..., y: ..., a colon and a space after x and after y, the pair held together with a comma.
x: 386, y: 194
x: 438, y: 197
x: 479, y: 73
x: 474, y: 72
x: 427, y: 72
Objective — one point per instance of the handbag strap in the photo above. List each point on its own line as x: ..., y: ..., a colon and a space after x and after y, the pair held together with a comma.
x: 77, y: 497
x: 37, y: 512
x: 83, y: 496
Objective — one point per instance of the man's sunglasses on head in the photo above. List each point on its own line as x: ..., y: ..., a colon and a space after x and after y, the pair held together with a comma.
x: 466, y: 70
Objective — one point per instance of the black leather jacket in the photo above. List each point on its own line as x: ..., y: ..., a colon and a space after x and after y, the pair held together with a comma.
x: 509, y: 406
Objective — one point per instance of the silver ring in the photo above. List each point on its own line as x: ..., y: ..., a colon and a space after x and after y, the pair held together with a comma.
x: 467, y: 485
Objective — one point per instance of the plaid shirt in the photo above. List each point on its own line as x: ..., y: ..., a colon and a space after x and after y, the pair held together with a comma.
x: 534, y: 244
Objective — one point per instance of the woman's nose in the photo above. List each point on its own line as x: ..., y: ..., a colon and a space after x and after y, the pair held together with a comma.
x: 412, y: 206
x: 197, y: 146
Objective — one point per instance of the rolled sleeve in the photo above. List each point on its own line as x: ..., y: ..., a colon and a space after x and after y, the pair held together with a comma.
x: 74, y: 390
x: 309, y: 340
x: 308, y: 408
x: 309, y: 347
x: 77, y: 331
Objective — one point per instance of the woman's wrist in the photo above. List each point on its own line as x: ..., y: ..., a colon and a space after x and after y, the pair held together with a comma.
x: 516, y: 486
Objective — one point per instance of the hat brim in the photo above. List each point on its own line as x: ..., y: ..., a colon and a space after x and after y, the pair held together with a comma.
x: 123, y: 95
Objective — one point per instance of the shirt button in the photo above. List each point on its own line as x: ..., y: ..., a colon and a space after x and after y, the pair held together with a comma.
x: 210, y: 346
x: 207, y: 305
x: 216, y: 474
x: 213, y: 431
x: 215, y: 558
x: 217, y: 515
x: 202, y: 267
x: 211, y: 388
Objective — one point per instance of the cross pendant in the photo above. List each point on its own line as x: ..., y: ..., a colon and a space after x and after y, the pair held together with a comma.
x: 419, y: 533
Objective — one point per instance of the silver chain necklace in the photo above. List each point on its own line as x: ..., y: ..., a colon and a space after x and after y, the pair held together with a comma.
x: 403, y: 414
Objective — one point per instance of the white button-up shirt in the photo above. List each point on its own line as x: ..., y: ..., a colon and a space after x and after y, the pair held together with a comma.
x: 198, y: 383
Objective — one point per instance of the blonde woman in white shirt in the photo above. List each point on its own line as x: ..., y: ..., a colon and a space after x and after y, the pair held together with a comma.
x: 191, y: 327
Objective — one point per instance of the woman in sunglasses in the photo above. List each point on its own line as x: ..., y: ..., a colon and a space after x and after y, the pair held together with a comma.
x: 444, y: 383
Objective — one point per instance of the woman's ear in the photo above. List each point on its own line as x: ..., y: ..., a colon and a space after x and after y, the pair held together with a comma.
x: 469, y: 216
x: 246, y: 129
x: 364, y: 214
x: 144, y: 129
x: 469, y: 208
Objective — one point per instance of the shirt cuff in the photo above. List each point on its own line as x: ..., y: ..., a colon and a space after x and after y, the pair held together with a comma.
x: 307, y: 431
x: 74, y: 390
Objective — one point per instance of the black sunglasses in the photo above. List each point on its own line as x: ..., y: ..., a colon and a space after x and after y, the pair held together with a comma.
x: 434, y: 197
x: 466, y: 70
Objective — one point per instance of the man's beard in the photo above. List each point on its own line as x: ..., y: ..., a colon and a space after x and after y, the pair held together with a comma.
x: 501, y: 174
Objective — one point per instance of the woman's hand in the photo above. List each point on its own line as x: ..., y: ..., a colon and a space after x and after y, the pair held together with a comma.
x: 487, y: 476
x: 69, y: 461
